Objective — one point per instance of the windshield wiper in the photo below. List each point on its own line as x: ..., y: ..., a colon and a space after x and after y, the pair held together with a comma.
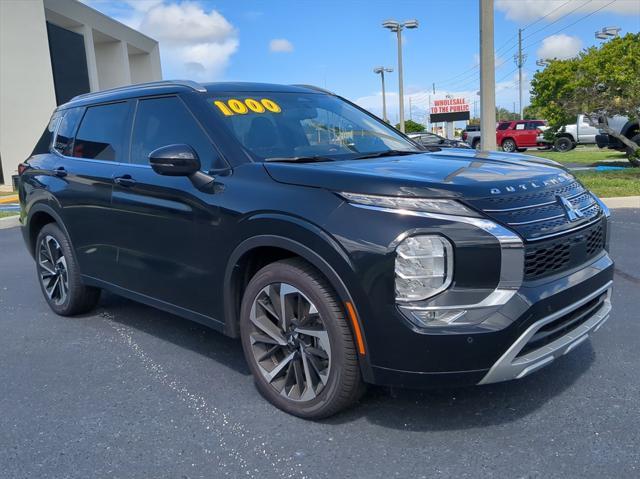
x: 299, y: 159
x: 380, y: 154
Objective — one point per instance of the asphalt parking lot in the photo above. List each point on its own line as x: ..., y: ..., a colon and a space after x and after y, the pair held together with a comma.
x: 129, y: 391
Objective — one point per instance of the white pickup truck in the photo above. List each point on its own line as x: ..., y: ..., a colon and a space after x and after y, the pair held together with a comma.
x: 579, y: 133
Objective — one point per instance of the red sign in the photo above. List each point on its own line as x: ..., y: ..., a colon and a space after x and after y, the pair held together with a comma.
x: 450, y: 105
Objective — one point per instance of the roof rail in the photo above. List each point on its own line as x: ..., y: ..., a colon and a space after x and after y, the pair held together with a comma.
x: 186, y: 83
x: 313, y: 87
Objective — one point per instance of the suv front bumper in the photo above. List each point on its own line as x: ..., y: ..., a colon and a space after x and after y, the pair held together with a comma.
x: 549, y: 317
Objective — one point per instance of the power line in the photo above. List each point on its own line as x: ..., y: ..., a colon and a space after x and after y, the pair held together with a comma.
x: 572, y: 24
x: 560, y: 18
x: 550, y: 13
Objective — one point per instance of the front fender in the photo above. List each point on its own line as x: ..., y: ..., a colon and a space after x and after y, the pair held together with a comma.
x: 303, y: 239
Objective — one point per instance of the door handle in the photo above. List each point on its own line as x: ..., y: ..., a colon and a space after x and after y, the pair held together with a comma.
x: 125, y: 180
x: 60, y: 172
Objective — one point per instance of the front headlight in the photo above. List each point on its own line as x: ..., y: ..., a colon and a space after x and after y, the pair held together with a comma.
x: 429, y: 205
x: 424, y: 267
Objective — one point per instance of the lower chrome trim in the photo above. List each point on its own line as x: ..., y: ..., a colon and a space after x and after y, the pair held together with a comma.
x: 509, y: 366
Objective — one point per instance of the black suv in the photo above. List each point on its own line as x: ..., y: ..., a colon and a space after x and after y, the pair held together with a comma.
x: 331, y: 244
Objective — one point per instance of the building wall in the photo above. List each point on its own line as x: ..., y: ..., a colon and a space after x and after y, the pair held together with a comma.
x: 115, y: 54
x: 27, y: 95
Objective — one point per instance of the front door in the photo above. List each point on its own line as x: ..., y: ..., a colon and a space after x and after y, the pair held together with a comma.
x: 168, y: 229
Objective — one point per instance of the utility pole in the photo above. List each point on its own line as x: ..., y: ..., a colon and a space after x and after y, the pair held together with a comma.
x: 487, y: 78
x: 520, y: 58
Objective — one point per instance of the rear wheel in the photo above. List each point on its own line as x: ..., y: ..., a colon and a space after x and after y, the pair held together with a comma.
x: 297, y: 342
x: 59, y: 275
x: 563, y: 144
x: 509, y: 145
x: 635, y: 161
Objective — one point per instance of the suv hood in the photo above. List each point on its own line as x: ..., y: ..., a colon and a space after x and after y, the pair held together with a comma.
x: 454, y: 173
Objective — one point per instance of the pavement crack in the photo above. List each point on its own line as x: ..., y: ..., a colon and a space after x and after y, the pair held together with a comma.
x: 627, y: 276
x: 213, y: 419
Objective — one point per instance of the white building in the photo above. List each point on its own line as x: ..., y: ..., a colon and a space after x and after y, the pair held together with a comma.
x: 52, y: 50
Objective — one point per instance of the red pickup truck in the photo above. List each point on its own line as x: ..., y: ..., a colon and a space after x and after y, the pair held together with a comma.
x: 520, y: 135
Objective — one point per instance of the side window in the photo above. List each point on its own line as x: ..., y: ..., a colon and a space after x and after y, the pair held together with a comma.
x: 101, y: 134
x: 532, y: 125
x: 503, y: 126
x: 520, y: 126
x: 66, y: 129
x: 165, y: 121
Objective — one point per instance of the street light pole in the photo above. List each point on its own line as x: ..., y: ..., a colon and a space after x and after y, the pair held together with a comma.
x: 400, y: 80
x: 381, y: 71
x: 397, y: 27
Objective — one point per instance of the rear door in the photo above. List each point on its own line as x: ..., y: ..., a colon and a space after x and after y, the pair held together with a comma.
x: 586, y: 132
x: 169, y: 231
x: 88, y: 145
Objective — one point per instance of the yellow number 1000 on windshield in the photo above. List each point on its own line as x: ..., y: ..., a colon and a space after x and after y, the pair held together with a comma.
x: 234, y: 106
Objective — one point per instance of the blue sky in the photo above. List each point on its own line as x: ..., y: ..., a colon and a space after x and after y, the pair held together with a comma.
x: 336, y: 44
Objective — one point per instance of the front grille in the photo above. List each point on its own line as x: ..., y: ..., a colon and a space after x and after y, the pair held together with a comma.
x: 551, y: 256
x: 563, y: 325
x: 540, y: 214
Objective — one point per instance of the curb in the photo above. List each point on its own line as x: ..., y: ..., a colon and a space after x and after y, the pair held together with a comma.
x: 9, y: 222
x: 622, y: 202
x: 9, y: 199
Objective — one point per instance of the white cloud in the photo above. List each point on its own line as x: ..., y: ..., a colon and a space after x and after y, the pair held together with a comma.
x: 194, y: 42
x: 559, y: 46
x: 186, y: 23
x: 280, y: 45
x: 529, y: 10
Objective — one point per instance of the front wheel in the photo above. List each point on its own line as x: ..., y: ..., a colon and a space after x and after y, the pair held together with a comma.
x: 509, y: 145
x: 563, y: 144
x: 59, y: 274
x: 297, y: 342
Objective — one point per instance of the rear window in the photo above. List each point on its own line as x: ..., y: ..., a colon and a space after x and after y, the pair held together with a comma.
x: 42, y: 147
x: 63, y: 142
x: 102, y: 133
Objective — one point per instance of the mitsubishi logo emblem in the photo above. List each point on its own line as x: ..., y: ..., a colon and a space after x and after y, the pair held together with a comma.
x: 573, y: 214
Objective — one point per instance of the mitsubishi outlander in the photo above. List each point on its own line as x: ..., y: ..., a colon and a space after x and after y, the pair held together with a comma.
x: 338, y: 250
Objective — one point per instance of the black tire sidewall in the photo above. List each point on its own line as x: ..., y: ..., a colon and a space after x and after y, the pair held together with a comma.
x: 563, y: 145
x: 284, y: 273
x: 75, y: 287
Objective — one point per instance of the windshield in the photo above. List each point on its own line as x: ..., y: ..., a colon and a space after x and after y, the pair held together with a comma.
x: 296, y: 125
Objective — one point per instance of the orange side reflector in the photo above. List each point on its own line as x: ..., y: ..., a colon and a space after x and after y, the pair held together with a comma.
x: 356, y: 327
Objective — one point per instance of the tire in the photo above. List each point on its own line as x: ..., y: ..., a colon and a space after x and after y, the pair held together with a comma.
x: 563, y: 144
x: 59, y: 275
x: 632, y: 160
x: 312, y: 376
x: 509, y: 145
x: 476, y: 145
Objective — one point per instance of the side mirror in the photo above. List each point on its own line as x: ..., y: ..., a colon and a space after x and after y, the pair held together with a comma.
x: 175, y: 160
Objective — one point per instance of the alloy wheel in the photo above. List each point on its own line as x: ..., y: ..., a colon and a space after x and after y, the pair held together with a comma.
x: 509, y: 146
x: 289, y: 342
x: 53, y: 270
